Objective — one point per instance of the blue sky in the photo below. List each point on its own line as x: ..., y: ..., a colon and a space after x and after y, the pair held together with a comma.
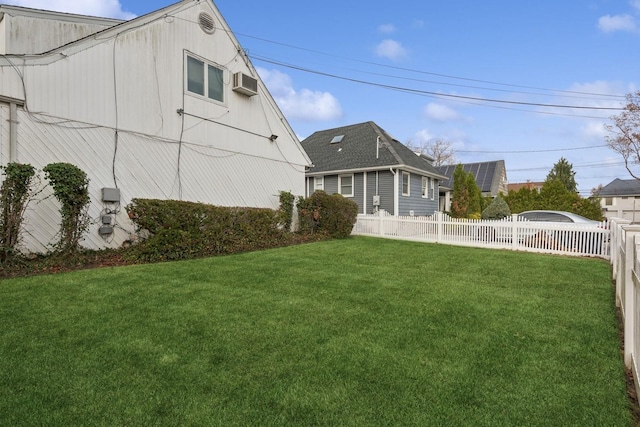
x: 435, y: 69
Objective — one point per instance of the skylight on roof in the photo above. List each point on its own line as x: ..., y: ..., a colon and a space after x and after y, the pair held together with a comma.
x: 337, y: 139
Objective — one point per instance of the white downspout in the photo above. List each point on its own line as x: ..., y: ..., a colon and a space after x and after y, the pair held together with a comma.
x: 396, y: 201
x: 364, y: 196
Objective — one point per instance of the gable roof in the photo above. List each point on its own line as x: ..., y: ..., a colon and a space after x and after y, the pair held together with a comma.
x: 621, y: 187
x: 363, y: 146
x: 111, y: 27
x: 487, y: 174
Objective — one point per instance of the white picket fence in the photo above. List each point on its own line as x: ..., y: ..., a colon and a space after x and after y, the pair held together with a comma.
x: 625, y: 267
x: 510, y: 233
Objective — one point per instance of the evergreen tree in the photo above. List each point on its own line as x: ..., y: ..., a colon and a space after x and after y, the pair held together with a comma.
x: 563, y: 172
x: 525, y: 199
x: 460, y: 198
x: 475, y: 197
x: 467, y: 196
x: 498, y: 209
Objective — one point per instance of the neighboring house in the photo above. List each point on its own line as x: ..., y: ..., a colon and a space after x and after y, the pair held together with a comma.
x: 621, y: 199
x: 491, y: 177
x: 529, y: 184
x: 366, y: 164
x: 164, y: 106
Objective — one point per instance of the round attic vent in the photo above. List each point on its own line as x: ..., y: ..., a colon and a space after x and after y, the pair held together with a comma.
x: 206, y: 23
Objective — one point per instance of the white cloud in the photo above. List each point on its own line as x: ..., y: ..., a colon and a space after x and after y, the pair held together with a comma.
x: 636, y: 5
x: 594, y: 131
x: 423, y: 135
x: 624, y: 22
x: 101, y: 8
x: 391, y: 49
x: 303, y: 105
x: 440, y: 113
x: 387, y: 28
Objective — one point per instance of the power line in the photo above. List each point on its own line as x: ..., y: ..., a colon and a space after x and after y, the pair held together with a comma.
x: 427, y: 72
x: 429, y: 93
x: 531, y: 151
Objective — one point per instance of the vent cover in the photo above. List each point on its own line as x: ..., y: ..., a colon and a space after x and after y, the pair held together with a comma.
x: 207, y: 24
x: 244, y: 84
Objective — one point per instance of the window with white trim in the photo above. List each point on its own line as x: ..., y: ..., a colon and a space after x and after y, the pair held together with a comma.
x: 345, y: 185
x: 425, y: 187
x: 204, y: 79
x: 406, y: 179
x: 433, y: 188
x: 318, y: 183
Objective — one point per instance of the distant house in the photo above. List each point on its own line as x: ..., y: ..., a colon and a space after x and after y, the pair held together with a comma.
x: 164, y: 106
x: 491, y: 177
x: 537, y: 186
x: 621, y: 199
x: 366, y: 164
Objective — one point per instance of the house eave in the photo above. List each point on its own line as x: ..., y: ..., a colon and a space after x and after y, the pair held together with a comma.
x: 410, y: 169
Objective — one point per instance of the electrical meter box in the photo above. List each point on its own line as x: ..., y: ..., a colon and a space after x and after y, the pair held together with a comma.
x: 110, y: 194
x: 376, y: 200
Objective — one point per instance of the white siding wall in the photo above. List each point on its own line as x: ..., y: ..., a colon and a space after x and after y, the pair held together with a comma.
x: 214, y: 153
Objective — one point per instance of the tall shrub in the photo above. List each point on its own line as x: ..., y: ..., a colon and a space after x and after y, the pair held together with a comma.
x: 71, y: 188
x: 332, y: 215
x: 15, y: 193
x: 286, y: 209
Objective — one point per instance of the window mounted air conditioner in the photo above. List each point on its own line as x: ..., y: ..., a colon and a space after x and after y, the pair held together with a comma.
x: 245, y: 84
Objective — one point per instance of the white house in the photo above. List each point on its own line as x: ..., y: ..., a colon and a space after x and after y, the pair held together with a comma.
x: 621, y: 199
x: 165, y: 106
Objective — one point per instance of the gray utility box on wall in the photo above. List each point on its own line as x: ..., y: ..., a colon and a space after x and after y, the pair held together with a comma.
x: 110, y: 194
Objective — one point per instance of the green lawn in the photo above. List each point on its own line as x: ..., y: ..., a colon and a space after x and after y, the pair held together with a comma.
x: 355, y: 332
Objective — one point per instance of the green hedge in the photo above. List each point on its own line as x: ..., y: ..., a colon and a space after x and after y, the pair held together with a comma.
x: 182, y: 230
x: 332, y: 215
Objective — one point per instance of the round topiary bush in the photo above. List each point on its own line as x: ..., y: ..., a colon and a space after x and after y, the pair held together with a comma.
x: 498, y: 209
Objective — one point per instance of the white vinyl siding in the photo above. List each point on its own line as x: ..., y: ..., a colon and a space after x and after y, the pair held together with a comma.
x: 345, y: 185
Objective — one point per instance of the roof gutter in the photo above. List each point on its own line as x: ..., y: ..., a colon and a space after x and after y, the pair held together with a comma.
x: 379, y: 168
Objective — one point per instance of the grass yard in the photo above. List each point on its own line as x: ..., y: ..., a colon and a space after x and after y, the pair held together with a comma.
x: 354, y: 332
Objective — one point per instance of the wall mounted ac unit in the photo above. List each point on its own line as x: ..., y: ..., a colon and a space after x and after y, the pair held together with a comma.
x: 245, y: 84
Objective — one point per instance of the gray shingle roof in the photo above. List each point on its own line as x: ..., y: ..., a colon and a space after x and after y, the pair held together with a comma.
x: 487, y: 174
x: 621, y: 187
x: 357, y: 150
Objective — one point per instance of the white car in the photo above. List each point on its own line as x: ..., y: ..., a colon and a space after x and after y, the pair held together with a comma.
x: 548, y: 229
x: 556, y: 216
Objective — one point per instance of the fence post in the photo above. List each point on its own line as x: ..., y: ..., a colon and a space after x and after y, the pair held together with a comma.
x: 439, y: 220
x: 381, y: 228
x: 628, y: 287
x: 514, y: 232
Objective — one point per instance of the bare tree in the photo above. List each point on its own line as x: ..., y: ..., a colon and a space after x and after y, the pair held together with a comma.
x: 596, y: 190
x: 624, y: 133
x: 439, y: 149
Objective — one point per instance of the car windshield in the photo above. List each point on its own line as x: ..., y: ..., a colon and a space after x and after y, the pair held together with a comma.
x: 551, y: 216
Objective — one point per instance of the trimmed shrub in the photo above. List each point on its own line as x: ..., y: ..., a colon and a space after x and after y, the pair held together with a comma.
x: 286, y: 209
x: 182, y: 230
x: 332, y: 215
x: 71, y: 188
x: 15, y: 193
x: 498, y: 209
